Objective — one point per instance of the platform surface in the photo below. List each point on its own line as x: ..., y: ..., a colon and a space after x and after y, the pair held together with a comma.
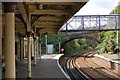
x: 110, y: 57
x: 46, y: 68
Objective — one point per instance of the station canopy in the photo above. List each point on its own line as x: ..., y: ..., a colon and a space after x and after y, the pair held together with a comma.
x: 45, y: 16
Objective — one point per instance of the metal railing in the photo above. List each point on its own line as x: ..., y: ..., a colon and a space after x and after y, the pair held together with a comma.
x: 92, y: 22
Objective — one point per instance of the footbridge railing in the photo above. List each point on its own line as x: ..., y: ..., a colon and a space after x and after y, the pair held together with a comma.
x: 92, y: 22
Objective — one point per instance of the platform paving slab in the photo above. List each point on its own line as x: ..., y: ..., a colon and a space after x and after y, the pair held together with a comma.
x: 46, y: 68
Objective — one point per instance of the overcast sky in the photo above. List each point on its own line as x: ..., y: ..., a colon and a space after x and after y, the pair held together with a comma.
x: 95, y: 7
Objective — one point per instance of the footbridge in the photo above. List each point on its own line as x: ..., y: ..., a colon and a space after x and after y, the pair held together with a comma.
x: 92, y: 23
x: 89, y: 26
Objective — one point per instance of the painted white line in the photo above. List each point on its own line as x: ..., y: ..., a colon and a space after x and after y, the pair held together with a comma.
x: 99, y: 56
x: 107, y: 59
x: 61, y: 67
x: 58, y: 56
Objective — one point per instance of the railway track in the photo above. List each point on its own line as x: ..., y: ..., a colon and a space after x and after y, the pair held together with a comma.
x: 85, y: 71
x: 72, y: 70
x: 110, y: 74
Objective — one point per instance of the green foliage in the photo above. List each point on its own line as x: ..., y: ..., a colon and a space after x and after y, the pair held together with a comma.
x: 108, y: 39
x: 51, y: 39
x: 116, y: 10
x: 54, y: 39
x: 43, y: 45
x: 107, y: 42
x: 79, y: 45
x: 119, y: 39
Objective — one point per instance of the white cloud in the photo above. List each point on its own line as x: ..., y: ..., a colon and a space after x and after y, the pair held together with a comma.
x: 95, y: 7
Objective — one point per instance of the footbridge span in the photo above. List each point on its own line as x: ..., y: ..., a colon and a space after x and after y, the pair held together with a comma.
x: 89, y: 26
x: 92, y: 23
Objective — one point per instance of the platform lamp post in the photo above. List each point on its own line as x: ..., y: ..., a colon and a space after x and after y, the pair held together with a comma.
x: 117, y: 31
x: 118, y: 26
x: 59, y: 40
x: 59, y: 44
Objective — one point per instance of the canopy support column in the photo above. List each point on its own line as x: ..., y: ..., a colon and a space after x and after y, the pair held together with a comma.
x: 9, y: 37
x: 29, y: 34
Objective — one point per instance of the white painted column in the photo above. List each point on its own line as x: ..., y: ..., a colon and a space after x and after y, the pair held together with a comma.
x: 24, y: 48
x: 32, y: 49
x: 9, y: 49
x: 29, y: 72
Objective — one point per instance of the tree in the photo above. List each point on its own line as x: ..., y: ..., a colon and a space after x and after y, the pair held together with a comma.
x: 116, y: 10
x: 51, y: 39
x: 107, y: 42
x: 79, y: 45
x: 108, y: 39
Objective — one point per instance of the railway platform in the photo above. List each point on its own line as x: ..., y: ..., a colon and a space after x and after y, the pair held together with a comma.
x: 111, y: 61
x: 47, y: 68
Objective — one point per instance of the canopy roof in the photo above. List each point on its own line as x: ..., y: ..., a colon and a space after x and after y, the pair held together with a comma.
x: 45, y: 17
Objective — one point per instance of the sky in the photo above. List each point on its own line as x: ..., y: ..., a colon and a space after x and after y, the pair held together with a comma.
x: 95, y: 7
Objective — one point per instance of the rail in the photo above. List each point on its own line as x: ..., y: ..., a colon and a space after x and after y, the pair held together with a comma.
x: 77, y: 73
